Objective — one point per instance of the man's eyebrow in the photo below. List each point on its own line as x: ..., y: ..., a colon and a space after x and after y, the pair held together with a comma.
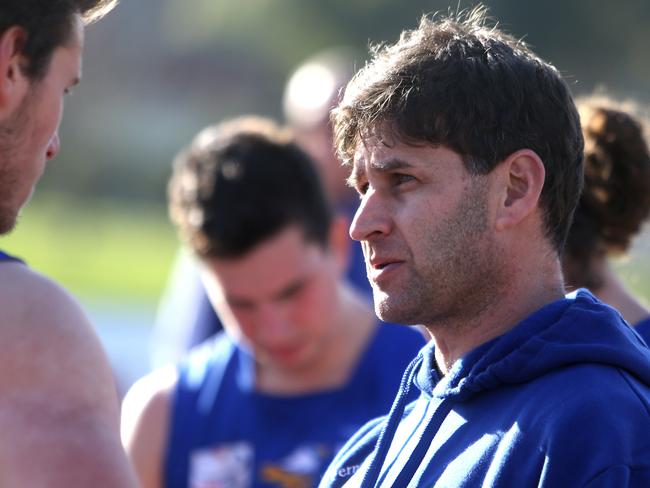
x: 390, y: 164
x: 239, y: 302
x: 290, y: 289
x: 384, y: 166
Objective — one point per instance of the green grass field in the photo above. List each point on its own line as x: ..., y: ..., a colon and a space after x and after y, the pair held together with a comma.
x: 96, y: 249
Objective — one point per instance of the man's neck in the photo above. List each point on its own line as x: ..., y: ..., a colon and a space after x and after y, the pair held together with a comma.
x: 510, y: 305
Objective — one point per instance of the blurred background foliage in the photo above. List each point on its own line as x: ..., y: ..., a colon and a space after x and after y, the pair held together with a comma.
x: 156, y: 71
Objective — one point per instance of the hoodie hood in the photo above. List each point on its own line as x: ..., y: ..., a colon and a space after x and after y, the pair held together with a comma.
x: 576, y: 329
x: 479, y: 444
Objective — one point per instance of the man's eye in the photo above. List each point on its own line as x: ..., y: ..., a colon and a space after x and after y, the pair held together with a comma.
x: 400, y: 178
x: 240, y: 305
x: 292, y: 291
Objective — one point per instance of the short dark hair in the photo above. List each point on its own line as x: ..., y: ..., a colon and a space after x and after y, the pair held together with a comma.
x: 460, y: 83
x: 615, y: 201
x: 47, y: 24
x: 241, y: 182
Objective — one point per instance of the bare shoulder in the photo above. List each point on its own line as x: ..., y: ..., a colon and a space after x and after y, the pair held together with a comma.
x: 58, y: 402
x: 145, y: 424
x: 49, y: 342
x: 148, y: 401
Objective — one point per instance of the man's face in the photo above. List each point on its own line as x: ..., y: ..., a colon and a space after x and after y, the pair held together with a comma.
x: 278, y: 300
x: 29, y: 135
x: 424, y: 225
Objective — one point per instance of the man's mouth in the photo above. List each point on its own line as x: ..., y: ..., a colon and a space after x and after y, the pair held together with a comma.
x: 382, y: 267
x: 382, y: 262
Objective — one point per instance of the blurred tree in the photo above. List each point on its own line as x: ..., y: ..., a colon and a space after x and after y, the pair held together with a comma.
x: 158, y: 70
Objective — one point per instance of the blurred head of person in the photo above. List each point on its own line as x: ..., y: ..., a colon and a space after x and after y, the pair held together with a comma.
x: 313, y: 89
x: 615, y: 201
x: 40, y: 60
x: 249, y: 203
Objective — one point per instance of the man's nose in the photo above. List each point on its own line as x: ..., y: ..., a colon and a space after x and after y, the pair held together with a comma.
x: 53, y: 146
x: 372, y: 217
x: 273, y: 320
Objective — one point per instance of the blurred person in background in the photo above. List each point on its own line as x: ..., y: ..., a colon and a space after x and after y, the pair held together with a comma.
x: 313, y: 89
x: 185, y: 316
x: 303, y: 361
x: 58, y: 404
x: 615, y: 203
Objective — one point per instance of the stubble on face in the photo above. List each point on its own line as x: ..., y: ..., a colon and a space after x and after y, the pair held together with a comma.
x: 454, y: 270
x: 26, y: 134
x: 13, y: 134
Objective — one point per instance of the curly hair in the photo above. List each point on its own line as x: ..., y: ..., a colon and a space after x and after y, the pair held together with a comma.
x: 47, y: 25
x: 616, y: 198
x: 461, y: 83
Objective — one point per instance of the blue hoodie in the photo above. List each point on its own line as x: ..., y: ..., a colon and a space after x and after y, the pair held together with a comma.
x: 561, y: 400
x: 643, y: 328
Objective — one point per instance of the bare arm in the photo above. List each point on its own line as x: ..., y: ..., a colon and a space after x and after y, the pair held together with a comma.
x: 145, y: 424
x: 58, y: 403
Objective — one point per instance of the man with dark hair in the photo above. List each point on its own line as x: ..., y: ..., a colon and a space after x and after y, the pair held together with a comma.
x: 58, y: 404
x: 466, y: 151
x: 303, y: 361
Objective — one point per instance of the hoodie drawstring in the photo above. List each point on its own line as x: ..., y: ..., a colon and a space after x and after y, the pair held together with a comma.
x: 423, y: 444
x: 390, y: 427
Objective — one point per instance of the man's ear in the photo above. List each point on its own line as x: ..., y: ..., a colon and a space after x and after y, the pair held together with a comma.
x: 521, y: 181
x: 14, y: 84
x: 340, y: 242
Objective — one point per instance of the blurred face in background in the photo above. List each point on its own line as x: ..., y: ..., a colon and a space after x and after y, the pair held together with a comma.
x: 29, y: 132
x: 278, y: 300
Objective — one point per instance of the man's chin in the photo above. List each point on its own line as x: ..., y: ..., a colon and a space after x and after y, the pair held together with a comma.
x: 388, y: 312
x: 7, y: 225
x: 8, y: 219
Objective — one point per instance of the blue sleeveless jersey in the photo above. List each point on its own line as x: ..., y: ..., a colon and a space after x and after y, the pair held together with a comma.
x: 6, y: 257
x: 225, y: 434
